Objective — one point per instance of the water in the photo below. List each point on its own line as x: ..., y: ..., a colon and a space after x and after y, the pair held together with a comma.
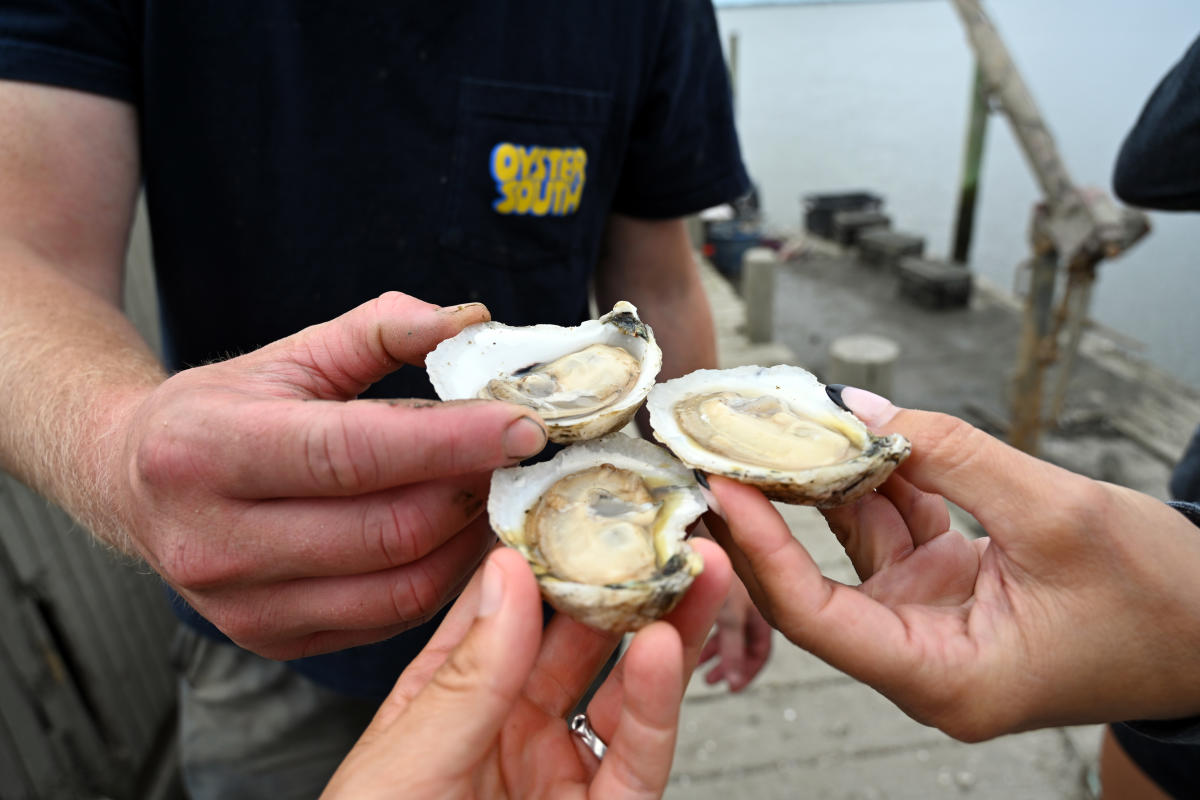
x: 874, y: 95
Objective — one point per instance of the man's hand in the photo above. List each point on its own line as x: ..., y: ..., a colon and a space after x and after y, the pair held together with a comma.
x: 294, y: 517
x: 1081, y: 607
x: 741, y: 643
x: 480, y: 713
x: 298, y: 519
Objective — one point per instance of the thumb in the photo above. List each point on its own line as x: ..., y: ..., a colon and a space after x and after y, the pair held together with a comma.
x: 341, y: 358
x: 470, y: 695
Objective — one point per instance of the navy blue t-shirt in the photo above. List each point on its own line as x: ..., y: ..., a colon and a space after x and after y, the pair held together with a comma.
x: 1159, y: 163
x: 302, y: 157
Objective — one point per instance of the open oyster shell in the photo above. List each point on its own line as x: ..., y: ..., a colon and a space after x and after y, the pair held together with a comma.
x: 774, y: 428
x: 603, y: 526
x: 584, y: 381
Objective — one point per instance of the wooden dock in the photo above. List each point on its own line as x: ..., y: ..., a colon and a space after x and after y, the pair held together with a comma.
x: 803, y: 729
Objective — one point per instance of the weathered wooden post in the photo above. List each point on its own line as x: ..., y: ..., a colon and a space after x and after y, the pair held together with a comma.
x: 1036, y: 352
x: 972, y: 167
x: 758, y: 292
x: 1072, y: 230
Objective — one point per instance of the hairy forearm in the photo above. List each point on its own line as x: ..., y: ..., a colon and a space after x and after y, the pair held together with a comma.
x: 71, y: 366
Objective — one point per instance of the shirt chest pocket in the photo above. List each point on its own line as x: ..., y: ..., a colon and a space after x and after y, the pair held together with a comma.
x: 522, y: 176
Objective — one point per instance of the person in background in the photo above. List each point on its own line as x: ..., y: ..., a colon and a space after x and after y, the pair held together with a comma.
x: 1158, y: 167
x: 330, y: 193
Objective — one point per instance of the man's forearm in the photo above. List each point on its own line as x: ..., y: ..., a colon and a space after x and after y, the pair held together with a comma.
x: 71, y: 365
x: 650, y: 264
x: 683, y: 325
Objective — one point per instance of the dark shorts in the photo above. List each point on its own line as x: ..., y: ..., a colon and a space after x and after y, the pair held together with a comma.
x: 1185, y: 479
x: 1174, y: 767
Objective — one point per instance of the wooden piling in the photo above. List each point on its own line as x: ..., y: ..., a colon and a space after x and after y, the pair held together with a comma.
x: 864, y: 361
x: 758, y: 292
x: 972, y: 167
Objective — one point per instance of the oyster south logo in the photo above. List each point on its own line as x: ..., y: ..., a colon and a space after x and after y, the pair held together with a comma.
x: 538, y: 180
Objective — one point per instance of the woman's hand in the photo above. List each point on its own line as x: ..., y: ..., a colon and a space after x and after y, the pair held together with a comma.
x: 480, y: 713
x: 1081, y: 606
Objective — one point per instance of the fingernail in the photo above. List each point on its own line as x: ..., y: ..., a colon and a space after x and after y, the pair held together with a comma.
x: 701, y: 478
x: 492, y: 590
x: 834, y: 390
x: 524, y: 438
x: 460, y: 308
x: 870, y: 408
x: 711, y: 499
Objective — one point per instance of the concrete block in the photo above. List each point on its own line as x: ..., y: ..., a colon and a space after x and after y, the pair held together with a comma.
x: 883, y: 247
x: 849, y: 225
x: 820, y: 208
x: 934, y: 284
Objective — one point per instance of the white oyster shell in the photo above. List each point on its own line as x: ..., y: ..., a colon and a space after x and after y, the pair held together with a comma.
x: 827, y: 478
x: 462, y: 367
x: 626, y: 605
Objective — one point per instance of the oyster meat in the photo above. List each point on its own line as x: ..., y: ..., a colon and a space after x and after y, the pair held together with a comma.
x: 775, y: 428
x: 584, y: 381
x: 603, y: 525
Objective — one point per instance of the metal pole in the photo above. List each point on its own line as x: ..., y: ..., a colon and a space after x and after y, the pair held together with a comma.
x: 972, y: 166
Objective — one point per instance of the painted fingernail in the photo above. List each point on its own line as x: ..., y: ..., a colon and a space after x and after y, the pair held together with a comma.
x: 524, y: 438
x: 870, y: 408
x: 701, y: 478
x: 834, y: 390
x: 491, y: 593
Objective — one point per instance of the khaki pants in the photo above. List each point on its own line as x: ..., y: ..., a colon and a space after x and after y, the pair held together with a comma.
x: 252, y: 729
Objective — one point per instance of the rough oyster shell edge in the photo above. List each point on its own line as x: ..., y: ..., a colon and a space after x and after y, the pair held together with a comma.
x: 459, y: 367
x: 622, y: 607
x: 824, y: 487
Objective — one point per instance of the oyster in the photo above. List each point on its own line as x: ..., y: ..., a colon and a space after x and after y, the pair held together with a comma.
x: 584, y: 381
x: 603, y: 526
x: 775, y: 428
